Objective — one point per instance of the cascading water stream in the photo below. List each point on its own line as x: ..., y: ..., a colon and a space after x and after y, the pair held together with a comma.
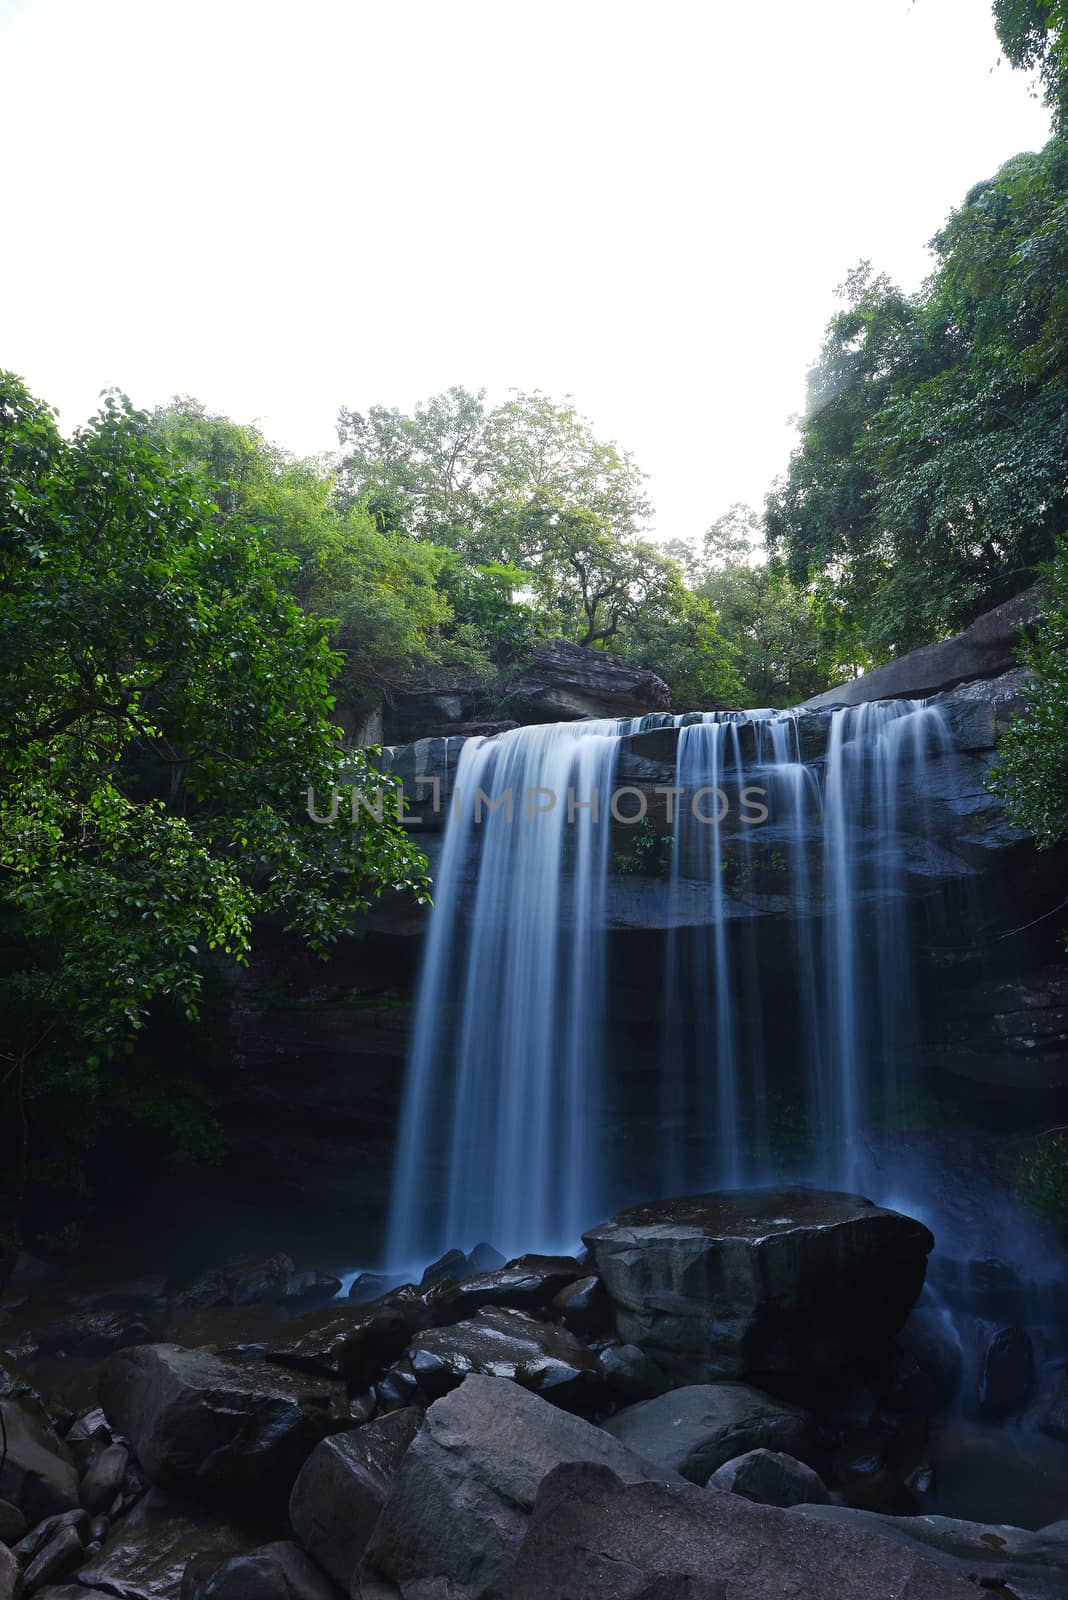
x: 505, y: 1062
x: 508, y: 1115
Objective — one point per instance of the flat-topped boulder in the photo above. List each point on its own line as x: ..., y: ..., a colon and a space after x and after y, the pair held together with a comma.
x: 984, y: 650
x: 760, y: 1281
x: 567, y: 682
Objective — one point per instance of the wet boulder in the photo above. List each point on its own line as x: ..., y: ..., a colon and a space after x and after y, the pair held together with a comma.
x: 762, y: 1281
x: 592, y: 1535
x: 59, y: 1557
x: 349, y: 1342
x: 458, y: 1504
x: 509, y: 1344
x: 229, y: 1429
x: 527, y: 1284
x: 339, y: 1494
x: 146, y: 1554
x: 694, y: 1430
x: 279, y: 1571
x: 770, y: 1478
x: 104, y: 1480
x: 584, y: 1308
x: 38, y: 1473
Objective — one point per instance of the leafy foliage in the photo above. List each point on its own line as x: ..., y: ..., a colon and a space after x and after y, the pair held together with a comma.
x: 1032, y: 770
x: 1034, y: 36
x: 164, y: 706
x: 931, y: 476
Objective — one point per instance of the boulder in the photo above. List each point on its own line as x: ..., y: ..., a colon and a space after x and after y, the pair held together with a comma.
x: 368, y: 1286
x: 567, y: 682
x: 279, y: 1571
x: 223, y: 1427
x: 458, y: 1504
x: 104, y: 1479
x: 341, y: 1489
x: 984, y: 650
x: 453, y: 1264
x: 761, y: 1281
x: 508, y: 1344
x: 1055, y: 1414
x: 58, y: 1559
x: 694, y: 1430
x: 1029, y: 1566
x: 147, y: 1553
x: 38, y: 1473
x: 1008, y: 1373
x: 528, y: 1284
x: 310, y: 1288
x: 770, y: 1479
x: 484, y: 1257
x: 10, y: 1575
x: 31, y: 1544
x: 349, y: 1342
x: 592, y: 1537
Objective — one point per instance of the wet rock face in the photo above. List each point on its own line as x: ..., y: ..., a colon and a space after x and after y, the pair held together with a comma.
x: 509, y: 1344
x: 762, y: 1281
x: 222, y: 1428
x: 591, y: 1535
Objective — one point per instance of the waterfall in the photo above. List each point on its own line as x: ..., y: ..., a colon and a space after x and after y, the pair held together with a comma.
x: 500, y: 1130
x: 508, y: 1113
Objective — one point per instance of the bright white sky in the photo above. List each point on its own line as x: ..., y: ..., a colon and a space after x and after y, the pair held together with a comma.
x: 282, y: 206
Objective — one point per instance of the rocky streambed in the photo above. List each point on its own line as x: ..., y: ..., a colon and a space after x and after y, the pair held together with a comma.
x: 724, y: 1397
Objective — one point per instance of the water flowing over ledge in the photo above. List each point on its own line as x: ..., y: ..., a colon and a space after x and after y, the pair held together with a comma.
x: 510, y: 1129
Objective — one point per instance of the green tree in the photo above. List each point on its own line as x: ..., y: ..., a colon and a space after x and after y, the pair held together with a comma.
x: 932, y: 473
x: 164, y: 707
x: 1032, y: 769
x: 1034, y: 37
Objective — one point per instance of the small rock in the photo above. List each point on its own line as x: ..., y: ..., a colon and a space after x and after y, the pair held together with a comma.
x: 630, y: 1373
x: 584, y: 1308
x: 104, y: 1479
x: 87, y: 1435
x: 98, y: 1530
x: 770, y: 1479
x: 362, y: 1408
x: 399, y: 1387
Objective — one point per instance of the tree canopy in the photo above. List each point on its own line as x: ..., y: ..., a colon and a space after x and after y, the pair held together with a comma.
x: 165, y: 704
